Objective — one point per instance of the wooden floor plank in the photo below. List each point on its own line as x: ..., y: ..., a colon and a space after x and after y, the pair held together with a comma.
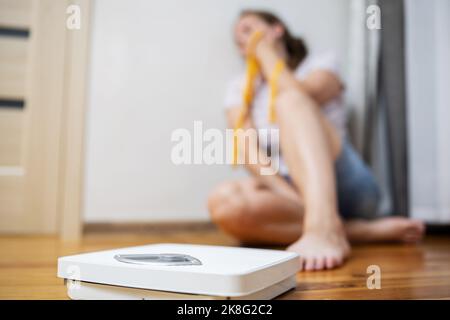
x: 28, y: 266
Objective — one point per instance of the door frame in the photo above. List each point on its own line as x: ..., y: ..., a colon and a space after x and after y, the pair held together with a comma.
x: 71, y: 161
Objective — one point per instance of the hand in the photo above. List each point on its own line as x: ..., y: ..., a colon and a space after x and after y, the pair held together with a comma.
x: 252, y: 42
x: 259, y: 40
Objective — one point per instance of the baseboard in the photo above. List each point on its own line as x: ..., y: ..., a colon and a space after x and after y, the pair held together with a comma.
x: 438, y: 229
x: 139, y: 227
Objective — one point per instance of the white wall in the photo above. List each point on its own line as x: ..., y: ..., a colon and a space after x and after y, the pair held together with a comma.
x: 428, y: 52
x: 160, y: 65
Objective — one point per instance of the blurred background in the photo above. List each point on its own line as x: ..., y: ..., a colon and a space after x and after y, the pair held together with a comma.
x: 87, y: 111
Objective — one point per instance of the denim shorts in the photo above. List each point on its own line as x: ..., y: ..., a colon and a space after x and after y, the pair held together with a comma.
x: 357, y: 190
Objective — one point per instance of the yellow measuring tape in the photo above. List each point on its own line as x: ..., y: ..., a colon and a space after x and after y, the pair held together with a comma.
x: 273, y: 85
x: 252, y: 71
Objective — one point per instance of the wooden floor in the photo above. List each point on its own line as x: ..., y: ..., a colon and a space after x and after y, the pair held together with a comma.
x: 28, y: 266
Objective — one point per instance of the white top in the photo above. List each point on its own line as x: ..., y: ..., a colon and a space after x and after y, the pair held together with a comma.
x: 224, y: 271
x: 333, y: 110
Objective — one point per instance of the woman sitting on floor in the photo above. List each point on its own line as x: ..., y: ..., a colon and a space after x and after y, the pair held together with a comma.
x: 323, y: 195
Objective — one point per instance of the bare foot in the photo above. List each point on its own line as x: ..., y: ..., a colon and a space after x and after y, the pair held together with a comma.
x: 398, y: 229
x: 321, y: 250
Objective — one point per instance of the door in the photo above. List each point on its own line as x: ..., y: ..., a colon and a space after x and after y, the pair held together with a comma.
x: 37, y: 88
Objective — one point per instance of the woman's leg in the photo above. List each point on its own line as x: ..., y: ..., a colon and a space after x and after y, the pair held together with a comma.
x: 269, y: 212
x: 310, y: 145
x: 395, y: 229
x: 257, y: 211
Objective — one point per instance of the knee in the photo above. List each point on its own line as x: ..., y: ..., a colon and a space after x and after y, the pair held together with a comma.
x: 227, y: 204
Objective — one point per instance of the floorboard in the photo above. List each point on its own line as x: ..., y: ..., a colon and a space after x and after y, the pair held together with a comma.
x: 28, y: 266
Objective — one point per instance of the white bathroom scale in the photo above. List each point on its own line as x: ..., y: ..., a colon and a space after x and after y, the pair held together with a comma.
x: 179, y: 271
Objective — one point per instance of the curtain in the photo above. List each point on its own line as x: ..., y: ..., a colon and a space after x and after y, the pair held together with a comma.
x: 391, y: 103
x: 380, y: 107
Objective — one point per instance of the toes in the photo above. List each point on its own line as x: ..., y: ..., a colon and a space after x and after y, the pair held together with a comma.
x: 412, y: 237
x: 309, y: 264
x: 331, y: 262
x: 421, y: 226
x: 319, y: 263
x: 414, y: 232
x: 416, y: 225
x: 302, y: 263
x: 339, y: 260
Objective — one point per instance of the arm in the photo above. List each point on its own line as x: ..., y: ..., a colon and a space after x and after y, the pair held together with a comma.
x: 321, y: 85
